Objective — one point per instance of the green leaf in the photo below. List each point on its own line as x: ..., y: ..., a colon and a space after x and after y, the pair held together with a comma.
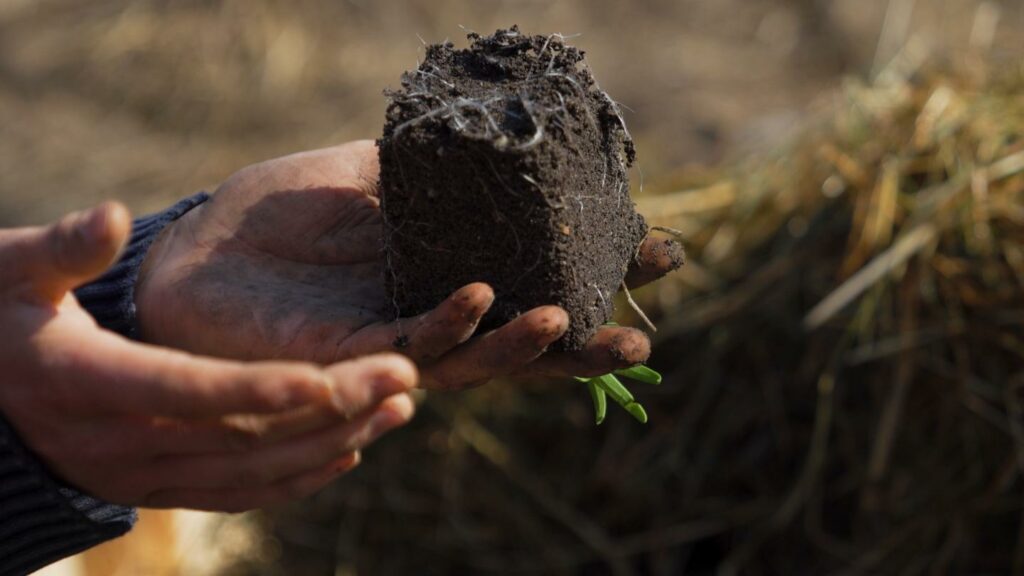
x: 640, y: 373
x: 610, y: 384
x: 615, y: 389
x: 638, y: 412
x: 600, y: 402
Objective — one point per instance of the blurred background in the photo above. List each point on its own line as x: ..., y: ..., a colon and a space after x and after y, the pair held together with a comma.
x: 841, y: 352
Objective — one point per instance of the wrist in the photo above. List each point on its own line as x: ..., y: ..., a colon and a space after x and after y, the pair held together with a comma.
x: 155, y: 278
x: 111, y: 298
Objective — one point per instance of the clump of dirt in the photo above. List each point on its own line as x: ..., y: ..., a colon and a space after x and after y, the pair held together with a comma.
x: 506, y: 163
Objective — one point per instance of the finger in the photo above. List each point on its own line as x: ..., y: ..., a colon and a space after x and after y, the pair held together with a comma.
x: 239, y: 500
x: 130, y: 378
x: 143, y: 440
x: 73, y: 250
x: 363, y: 383
x: 247, y: 431
x: 145, y: 380
x: 612, y: 348
x: 163, y: 437
x: 655, y: 258
x: 498, y: 352
x: 266, y: 466
x: 428, y: 335
x: 353, y: 395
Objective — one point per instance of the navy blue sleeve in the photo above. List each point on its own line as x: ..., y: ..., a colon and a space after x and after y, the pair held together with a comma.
x: 42, y: 521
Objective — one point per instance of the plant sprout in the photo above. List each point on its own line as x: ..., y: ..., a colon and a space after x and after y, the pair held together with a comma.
x: 609, y: 385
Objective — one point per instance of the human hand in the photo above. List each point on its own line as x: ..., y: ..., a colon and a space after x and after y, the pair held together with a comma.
x: 286, y: 261
x: 140, y: 425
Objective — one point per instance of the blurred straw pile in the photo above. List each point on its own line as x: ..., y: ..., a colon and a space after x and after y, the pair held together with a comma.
x: 843, y: 391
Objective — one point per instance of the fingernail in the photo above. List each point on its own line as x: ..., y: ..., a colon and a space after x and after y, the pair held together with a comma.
x: 676, y: 253
x: 629, y: 348
x: 478, y: 311
x: 479, y: 308
x: 490, y: 299
x: 554, y: 326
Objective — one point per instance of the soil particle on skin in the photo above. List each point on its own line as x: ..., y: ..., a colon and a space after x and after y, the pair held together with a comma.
x: 671, y: 252
x: 505, y: 163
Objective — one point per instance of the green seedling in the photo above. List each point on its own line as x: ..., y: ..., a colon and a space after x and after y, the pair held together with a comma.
x: 601, y: 387
x: 599, y: 397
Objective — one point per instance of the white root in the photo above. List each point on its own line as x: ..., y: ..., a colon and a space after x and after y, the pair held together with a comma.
x: 636, y: 308
x: 670, y: 231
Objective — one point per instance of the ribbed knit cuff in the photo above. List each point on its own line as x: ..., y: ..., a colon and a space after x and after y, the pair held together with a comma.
x: 111, y: 298
x: 41, y: 522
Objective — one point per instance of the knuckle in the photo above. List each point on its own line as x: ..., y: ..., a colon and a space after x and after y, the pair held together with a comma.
x: 271, y: 395
x: 289, y: 388
x: 264, y: 395
x: 468, y: 308
x: 440, y: 340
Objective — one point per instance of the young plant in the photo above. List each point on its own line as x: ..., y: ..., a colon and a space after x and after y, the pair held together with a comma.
x: 609, y: 385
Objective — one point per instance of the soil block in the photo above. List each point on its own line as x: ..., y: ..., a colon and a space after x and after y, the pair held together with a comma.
x: 506, y: 163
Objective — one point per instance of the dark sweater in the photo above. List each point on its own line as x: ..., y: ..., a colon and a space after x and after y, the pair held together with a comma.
x: 41, y: 520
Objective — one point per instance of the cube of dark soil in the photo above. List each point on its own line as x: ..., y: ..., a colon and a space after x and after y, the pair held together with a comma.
x: 505, y: 163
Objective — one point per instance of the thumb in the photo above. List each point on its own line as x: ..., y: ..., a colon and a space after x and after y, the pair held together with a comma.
x: 76, y: 249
